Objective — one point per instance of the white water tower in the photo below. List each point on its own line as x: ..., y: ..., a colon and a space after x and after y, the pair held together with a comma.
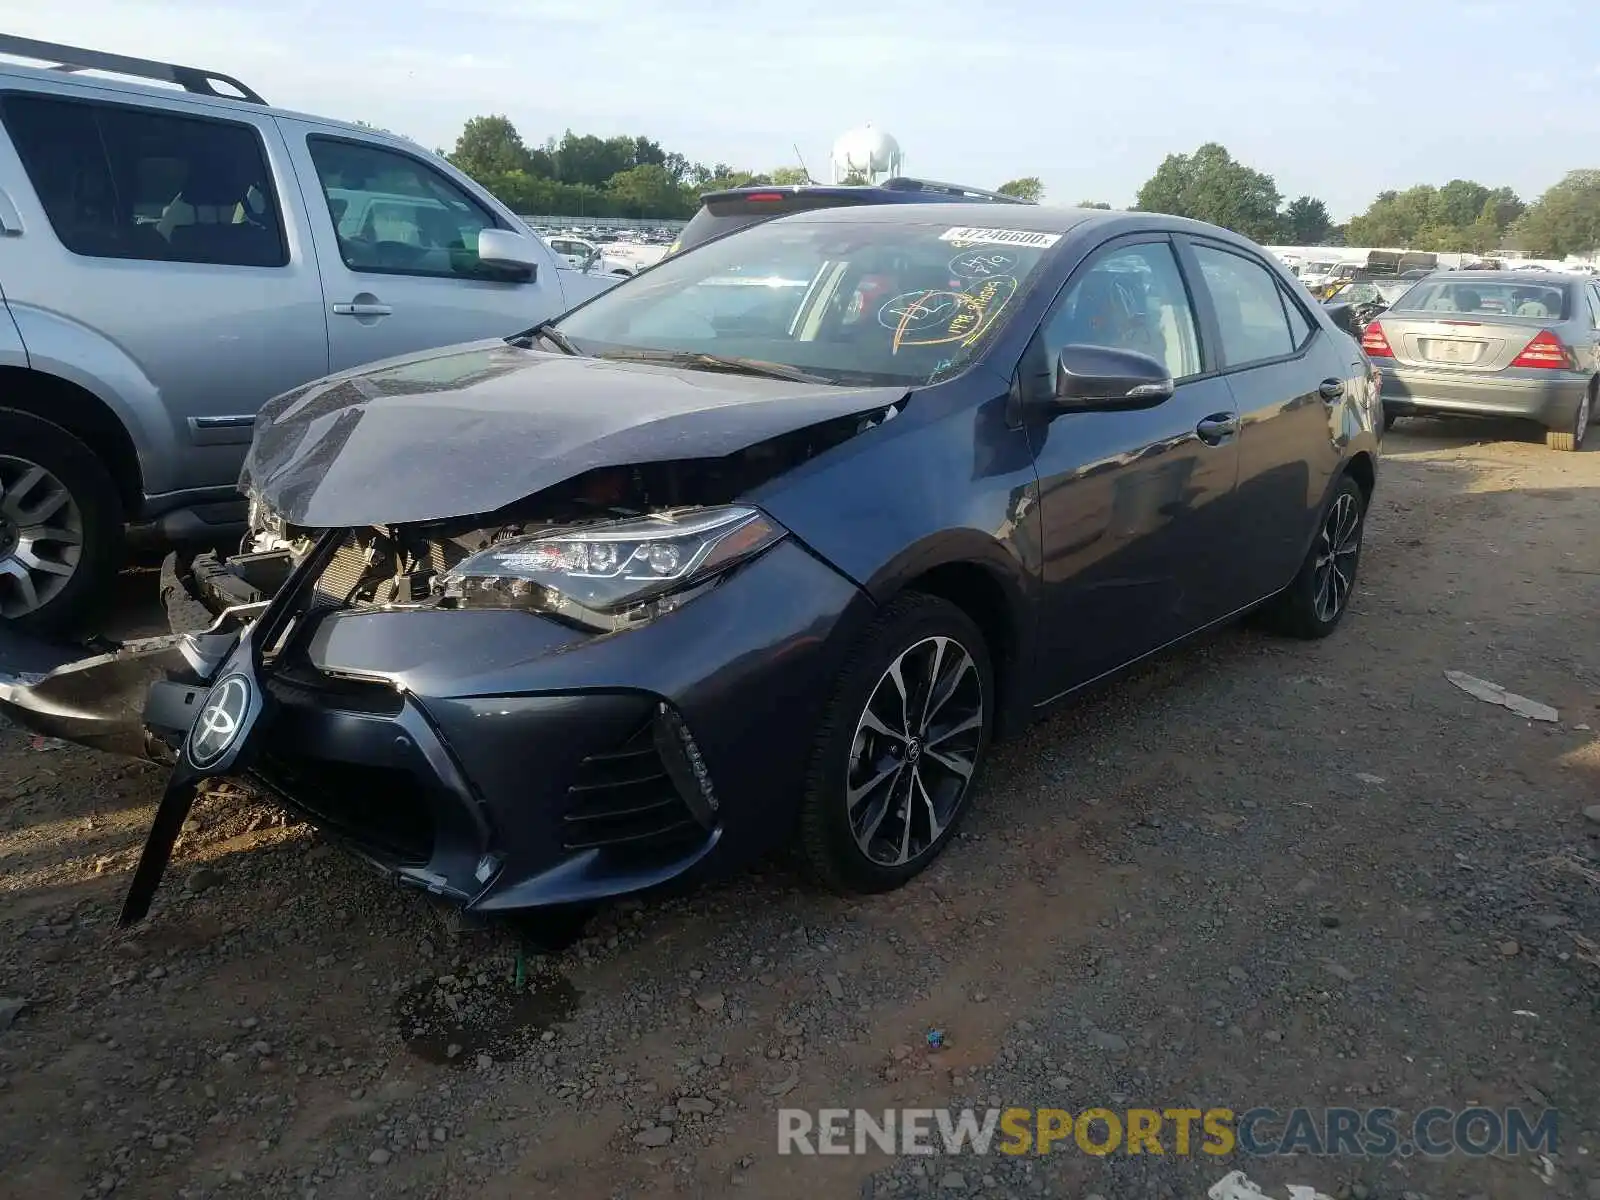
x: 867, y: 152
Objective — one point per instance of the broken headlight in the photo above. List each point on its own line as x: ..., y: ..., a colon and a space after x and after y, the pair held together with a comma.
x: 612, y: 574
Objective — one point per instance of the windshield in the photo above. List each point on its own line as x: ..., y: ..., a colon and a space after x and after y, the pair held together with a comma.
x: 868, y: 302
x: 1489, y: 297
x: 1367, y: 292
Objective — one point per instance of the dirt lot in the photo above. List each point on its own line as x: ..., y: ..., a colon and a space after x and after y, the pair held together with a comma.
x: 1252, y: 873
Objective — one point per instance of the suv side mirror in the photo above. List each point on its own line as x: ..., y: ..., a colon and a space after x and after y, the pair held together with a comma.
x: 590, y: 260
x: 512, y: 255
x: 1099, y: 377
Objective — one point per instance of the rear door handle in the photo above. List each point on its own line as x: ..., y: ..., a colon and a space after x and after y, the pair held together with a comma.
x: 1331, y: 389
x: 1217, y: 428
x: 362, y: 310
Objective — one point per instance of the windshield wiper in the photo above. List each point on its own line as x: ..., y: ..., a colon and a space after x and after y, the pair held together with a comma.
x: 719, y: 362
x: 548, y: 331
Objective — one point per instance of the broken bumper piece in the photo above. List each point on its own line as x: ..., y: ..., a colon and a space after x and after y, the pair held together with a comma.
x: 96, y: 696
x: 505, y: 761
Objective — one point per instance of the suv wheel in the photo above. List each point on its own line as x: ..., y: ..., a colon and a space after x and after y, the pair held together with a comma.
x: 60, y: 526
x: 895, y: 760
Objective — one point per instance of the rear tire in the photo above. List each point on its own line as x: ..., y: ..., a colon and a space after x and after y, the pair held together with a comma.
x: 899, y: 749
x: 61, y: 528
x: 1572, y: 439
x: 1313, y: 605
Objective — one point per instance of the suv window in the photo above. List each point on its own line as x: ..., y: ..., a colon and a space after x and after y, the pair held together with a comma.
x: 1130, y: 298
x: 394, y: 215
x: 1250, y: 313
x: 123, y: 182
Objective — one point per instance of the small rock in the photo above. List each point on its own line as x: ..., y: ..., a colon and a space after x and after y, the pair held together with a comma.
x: 440, y: 1133
x: 1509, y: 949
x: 1329, y: 921
x: 1593, y: 813
x: 1368, y: 778
x: 1272, y: 1035
x: 204, y: 879
x: 485, y: 1062
x: 710, y: 1002
x: 656, y: 1135
x: 698, y: 1105
x: 1339, y: 972
x: 953, y: 1181
x: 10, y: 1009
x: 1109, y: 1042
x: 1238, y: 975
x: 835, y: 988
x: 379, y: 1157
x: 158, y: 1141
x: 711, y: 1060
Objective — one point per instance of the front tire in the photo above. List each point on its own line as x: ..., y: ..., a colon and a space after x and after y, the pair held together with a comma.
x: 1314, y: 604
x: 1572, y: 439
x: 61, y: 527
x: 899, y: 749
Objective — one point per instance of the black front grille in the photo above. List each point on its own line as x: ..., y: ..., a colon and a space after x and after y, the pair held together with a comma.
x: 381, y: 809
x: 624, y: 798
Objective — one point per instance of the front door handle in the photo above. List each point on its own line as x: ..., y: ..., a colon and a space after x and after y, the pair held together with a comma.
x: 1331, y: 389
x: 357, y: 309
x: 1217, y: 428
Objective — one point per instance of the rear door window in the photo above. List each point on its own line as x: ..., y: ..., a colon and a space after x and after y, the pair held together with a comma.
x: 118, y: 181
x: 1249, y: 307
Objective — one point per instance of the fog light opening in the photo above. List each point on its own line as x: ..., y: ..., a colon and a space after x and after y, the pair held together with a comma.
x: 684, y: 764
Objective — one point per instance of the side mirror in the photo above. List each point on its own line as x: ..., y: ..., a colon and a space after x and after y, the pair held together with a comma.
x: 1344, y: 316
x: 512, y: 255
x: 1099, y: 377
x: 590, y: 260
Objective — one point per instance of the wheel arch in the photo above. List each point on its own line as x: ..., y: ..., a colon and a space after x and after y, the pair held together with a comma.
x: 80, y: 412
x: 981, y: 577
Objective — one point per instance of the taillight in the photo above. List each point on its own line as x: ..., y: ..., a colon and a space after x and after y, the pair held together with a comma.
x: 1375, y: 342
x: 1545, y: 350
x: 767, y: 197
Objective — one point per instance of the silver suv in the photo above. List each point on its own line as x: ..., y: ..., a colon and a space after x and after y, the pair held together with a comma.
x: 173, y: 256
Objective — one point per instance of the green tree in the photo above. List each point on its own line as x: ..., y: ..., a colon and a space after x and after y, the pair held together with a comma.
x: 647, y: 190
x: 789, y: 176
x: 490, y: 146
x: 854, y: 178
x: 1027, y: 188
x: 1306, y: 221
x: 1210, y: 185
x: 1565, y: 220
x: 1461, y: 215
x: 1093, y: 204
x: 1461, y: 202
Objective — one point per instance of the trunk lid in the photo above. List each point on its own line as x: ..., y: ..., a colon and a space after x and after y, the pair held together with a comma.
x: 1466, y: 342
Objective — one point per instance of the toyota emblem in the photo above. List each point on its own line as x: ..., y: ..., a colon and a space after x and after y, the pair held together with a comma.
x: 220, y: 722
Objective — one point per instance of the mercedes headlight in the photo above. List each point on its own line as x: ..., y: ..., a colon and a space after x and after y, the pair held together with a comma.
x: 614, y: 574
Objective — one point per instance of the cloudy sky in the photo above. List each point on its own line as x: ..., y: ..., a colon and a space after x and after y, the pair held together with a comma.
x: 1336, y: 99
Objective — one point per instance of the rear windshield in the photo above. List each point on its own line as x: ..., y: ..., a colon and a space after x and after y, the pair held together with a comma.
x: 724, y: 216
x: 861, y: 303
x: 1488, y: 297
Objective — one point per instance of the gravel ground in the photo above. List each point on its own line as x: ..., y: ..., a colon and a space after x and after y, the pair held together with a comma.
x: 1251, y: 873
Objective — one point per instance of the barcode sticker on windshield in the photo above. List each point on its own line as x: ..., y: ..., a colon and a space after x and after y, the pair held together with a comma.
x: 968, y: 236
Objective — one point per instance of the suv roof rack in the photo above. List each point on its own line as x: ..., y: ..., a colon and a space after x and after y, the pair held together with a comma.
x: 71, y: 59
x: 905, y: 183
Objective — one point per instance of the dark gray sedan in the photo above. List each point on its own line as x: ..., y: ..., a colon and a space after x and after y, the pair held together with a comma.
x: 1493, y: 344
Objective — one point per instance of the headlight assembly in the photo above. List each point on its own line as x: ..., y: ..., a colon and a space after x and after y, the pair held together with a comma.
x: 613, y: 574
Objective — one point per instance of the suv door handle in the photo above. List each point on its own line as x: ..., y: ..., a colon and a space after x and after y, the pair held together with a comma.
x: 1217, y: 428
x: 354, y: 309
x: 1331, y: 389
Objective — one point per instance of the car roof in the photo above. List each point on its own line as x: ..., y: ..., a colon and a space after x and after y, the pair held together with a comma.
x: 219, y: 105
x: 1031, y: 218
x: 1546, y: 278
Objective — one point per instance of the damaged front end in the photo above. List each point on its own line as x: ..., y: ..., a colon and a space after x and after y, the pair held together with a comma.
x: 336, y: 670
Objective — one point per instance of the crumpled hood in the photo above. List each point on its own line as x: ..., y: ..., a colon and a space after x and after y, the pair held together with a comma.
x: 472, y: 429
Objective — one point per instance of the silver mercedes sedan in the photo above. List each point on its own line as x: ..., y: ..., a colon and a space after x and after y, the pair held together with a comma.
x: 1493, y: 344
